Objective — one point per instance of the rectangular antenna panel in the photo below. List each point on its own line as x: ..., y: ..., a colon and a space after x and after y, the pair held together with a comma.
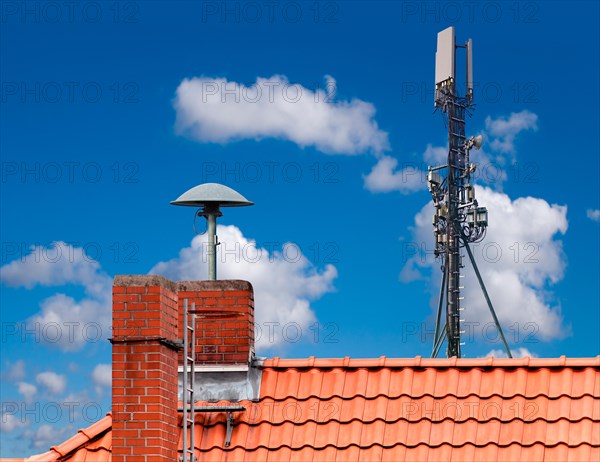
x: 470, y: 70
x: 445, y: 56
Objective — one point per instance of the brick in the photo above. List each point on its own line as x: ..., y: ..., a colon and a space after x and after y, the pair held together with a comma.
x: 122, y: 298
x: 135, y: 290
x: 238, y: 293
x: 151, y: 297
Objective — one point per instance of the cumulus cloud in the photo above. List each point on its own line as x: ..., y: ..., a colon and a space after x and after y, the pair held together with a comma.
x: 384, y: 177
x: 491, y: 165
x: 435, y: 155
x: 285, y: 281
x: 16, y: 371
x: 518, y: 261
x: 516, y: 353
x: 593, y: 214
x: 102, y: 377
x: 216, y: 110
x: 54, y: 265
x: 53, y: 382
x: 28, y: 391
x: 47, y: 435
x: 503, y: 130
x: 10, y: 422
x: 63, y: 321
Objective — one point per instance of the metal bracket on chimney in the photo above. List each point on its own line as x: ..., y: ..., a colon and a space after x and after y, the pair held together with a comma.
x: 229, y: 429
x: 229, y: 410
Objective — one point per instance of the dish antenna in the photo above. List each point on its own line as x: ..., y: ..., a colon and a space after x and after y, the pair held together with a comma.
x: 209, y: 198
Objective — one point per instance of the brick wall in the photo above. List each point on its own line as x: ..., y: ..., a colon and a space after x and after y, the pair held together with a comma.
x: 144, y: 356
x: 225, y: 320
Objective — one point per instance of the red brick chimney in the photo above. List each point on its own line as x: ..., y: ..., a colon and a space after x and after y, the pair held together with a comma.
x: 146, y: 352
x: 144, y: 375
x: 225, y: 320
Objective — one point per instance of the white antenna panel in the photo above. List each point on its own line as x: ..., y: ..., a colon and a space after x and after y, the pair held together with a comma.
x: 469, y: 70
x: 444, y: 56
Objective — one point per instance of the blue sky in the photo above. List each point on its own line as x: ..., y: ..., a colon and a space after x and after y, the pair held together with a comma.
x: 322, y: 114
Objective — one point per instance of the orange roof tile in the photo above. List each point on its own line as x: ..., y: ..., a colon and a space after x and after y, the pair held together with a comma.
x: 398, y: 409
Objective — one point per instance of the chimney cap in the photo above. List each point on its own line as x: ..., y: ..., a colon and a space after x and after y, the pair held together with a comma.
x: 212, y: 194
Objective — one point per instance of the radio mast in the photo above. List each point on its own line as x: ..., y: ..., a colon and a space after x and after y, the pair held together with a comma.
x: 458, y: 219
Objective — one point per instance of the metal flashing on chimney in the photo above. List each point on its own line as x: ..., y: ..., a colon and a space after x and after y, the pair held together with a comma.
x: 225, y: 383
x: 223, y: 368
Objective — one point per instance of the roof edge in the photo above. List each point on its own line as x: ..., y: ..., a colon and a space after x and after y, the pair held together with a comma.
x: 419, y: 361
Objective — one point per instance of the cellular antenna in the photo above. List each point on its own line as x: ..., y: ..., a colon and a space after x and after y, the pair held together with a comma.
x: 458, y: 219
x: 209, y: 198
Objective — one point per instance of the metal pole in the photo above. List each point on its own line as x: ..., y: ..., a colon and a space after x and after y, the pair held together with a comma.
x: 439, y: 312
x: 440, y: 342
x: 453, y: 249
x: 487, y: 298
x: 211, y: 217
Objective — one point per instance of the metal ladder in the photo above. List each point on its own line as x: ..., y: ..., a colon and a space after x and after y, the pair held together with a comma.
x: 189, y: 361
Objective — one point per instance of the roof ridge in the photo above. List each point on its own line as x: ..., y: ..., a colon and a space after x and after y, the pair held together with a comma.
x: 418, y: 361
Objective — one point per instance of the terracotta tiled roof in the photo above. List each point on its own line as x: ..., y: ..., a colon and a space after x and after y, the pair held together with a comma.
x: 399, y: 409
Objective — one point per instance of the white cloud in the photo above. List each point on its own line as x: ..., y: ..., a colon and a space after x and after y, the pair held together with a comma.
x: 504, y: 130
x: 385, y: 178
x: 64, y: 322
x: 284, y: 281
x: 58, y: 264
x: 27, y: 390
x: 491, y: 168
x: 519, y: 259
x: 10, y: 422
x: 47, y: 435
x: 593, y: 214
x: 219, y: 111
x: 435, y: 155
x: 102, y: 377
x: 16, y: 371
x: 53, y: 382
x: 516, y: 353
